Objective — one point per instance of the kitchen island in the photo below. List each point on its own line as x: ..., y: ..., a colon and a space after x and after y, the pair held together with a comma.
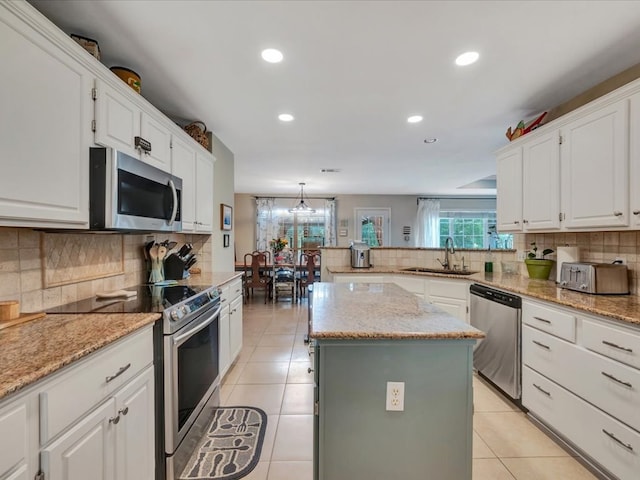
x: 366, y: 335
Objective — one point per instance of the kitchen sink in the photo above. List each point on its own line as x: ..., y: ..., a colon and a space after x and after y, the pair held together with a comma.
x: 438, y: 270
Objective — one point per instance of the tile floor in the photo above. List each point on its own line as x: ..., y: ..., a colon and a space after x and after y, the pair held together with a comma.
x: 271, y: 373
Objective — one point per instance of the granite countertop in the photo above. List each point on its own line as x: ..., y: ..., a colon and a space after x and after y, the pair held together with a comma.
x: 620, y: 307
x: 380, y: 311
x: 214, y: 278
x: 625, y: 308
x: 386, y: 269
x: 33, y: 350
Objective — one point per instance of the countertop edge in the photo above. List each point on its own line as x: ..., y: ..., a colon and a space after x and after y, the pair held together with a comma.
x: 22, y: 381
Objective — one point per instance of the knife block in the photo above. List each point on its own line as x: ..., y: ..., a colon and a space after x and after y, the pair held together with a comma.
x: 174, y: 268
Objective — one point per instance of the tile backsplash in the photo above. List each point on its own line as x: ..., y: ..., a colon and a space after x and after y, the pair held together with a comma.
x: 28, y: 256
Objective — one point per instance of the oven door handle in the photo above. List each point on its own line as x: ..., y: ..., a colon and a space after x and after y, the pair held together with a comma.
x: 200, y: 325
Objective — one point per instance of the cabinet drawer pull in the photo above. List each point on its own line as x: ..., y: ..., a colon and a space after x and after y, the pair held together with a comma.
x: 624, y: 349
x: 608, y: 375
x: 542, y: 320
x: 542, y: 390
x: 115, y: 419
x: 541, y: 344
x: 617, y: 214
x: 517, y: 222
x: 119, y: 372
x: 617, y: 440
x: 123, y: 411
x: 636, y: 212
x: 309, y: 370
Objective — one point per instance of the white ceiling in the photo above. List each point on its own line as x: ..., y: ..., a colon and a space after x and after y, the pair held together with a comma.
x: 353, y: 72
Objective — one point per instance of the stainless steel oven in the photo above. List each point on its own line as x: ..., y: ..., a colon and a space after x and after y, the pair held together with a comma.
x: 190, y: 366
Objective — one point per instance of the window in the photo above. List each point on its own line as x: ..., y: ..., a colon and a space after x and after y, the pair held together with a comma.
x: 302, y: 231
x: 472, y: 229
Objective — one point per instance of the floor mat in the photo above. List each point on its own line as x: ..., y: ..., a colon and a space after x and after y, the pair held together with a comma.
x: 231, y: 447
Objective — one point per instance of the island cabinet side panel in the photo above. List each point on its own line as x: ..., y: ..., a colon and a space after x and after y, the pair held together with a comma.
x: 358, y: 439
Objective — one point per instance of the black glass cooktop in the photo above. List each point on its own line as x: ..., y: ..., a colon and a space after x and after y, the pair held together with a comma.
x: 149, y: 299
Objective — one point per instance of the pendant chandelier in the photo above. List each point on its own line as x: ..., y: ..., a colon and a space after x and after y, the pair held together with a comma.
x: 302, y: 207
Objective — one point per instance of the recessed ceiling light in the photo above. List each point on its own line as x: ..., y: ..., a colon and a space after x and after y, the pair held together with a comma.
x: 285, y: 117
x: 272, y: 55
x: 430, y: 140
x: 414, y: 119
x: 467, y: 58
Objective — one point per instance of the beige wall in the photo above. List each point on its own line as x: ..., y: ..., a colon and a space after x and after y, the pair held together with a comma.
x: 223, y: 186
x: 23, y: 254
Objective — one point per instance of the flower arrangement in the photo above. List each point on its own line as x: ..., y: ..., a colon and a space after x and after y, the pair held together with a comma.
x: 278, y: 244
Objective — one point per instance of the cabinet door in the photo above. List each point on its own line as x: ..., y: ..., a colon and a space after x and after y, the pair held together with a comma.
x: 453, y: 306
x: 154, y: 131
x: 20, y: 474
x: 204, y: 194
x: 595, y: 165
x: 509, y: 191
x: 14, y: 448
x: 541, y: 183
x: 183, y: 163
x: 45, y: 129
x: 235, y: 328
x: 224, y: 335
x: 85, y: 451
x: 117, y: 119
x: 634, y: 156
x: 135, y: 438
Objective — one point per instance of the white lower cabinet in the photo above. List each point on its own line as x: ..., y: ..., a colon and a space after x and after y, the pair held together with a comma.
x: 135, y: 452
x: 86, y: 450
x: 230, y: 325
x: 452, y: 296
x: 111, y: 435
x: 15, y: 447
x: 235, y: 327
x: 20, y: 474
x: 585, y: 397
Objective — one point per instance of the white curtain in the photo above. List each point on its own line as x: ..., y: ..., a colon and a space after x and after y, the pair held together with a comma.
x: 428, y: 223
x: 330, y: 239
x: 265, y: 228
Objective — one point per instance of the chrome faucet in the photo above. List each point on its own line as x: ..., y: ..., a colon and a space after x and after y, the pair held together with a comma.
x: 448, y: 248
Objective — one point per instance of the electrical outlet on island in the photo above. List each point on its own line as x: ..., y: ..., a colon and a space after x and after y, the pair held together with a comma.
x: 395, y: 396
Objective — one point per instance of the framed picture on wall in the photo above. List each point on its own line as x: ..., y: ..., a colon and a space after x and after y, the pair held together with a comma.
x: 226, y: 214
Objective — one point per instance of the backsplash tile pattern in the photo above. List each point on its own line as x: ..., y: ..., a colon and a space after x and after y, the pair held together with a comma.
x: 599, y: 247
x: 74, y: 258
x: 22, y: 272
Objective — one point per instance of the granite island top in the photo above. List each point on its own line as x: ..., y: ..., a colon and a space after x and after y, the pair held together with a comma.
x: 380, y: 311
x: 33, y: 350
x: 625, y: 308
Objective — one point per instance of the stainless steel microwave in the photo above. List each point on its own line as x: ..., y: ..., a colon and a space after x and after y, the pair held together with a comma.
x: 127, y: 194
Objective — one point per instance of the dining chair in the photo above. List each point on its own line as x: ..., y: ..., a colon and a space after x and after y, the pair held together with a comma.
x: 255, y: 266
x: 309, y: 263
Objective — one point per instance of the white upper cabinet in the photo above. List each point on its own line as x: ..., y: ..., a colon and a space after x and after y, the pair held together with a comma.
x: 45, y: 125
x: 634, y: 158
x: 119, y: 121
x: 183, y: 160
x: 509, y: 188
x: 595, y: 166
x: 155, y: 132
x: 204, y: 193
x: 541, y: 182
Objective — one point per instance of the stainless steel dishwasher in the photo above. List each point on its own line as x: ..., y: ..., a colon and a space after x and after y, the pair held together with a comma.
x: 497, y: 357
